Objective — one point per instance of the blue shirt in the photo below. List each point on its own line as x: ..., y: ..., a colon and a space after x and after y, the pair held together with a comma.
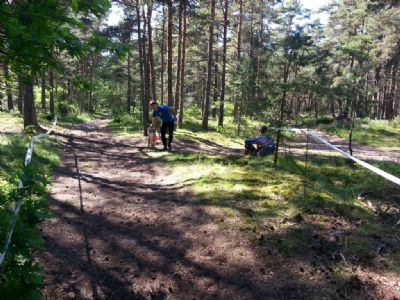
x: 164, y: 114
x: 262, y: 139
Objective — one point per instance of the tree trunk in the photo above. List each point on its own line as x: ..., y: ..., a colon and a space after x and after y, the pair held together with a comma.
x: 259, y: 54
x: 178, y: 67
x: 216, y: 85
x: 10, y: 104
x: 29, y: 104
x: 51, y: 83
x: 140, y: 49
x: 170, y: 50
x: 147, y: 90
x: 21, y: 94
x: 162, y: 56
x: 150, y: 52
x: 391, y: 100
x: 91, y: 84
x: 209, y: 68
x: 282, y: 108
x: 239, y: 103
x: 222, y: 100
x: 182, y: 73
x: 43, y: 96
x: 129, y: 91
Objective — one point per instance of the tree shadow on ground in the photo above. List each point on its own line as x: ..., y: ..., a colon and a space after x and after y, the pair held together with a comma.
x: 328, y: 208
x: 141, y: 239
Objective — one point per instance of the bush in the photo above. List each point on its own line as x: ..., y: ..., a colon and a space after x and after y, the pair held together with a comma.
x: 20, y: 277
x: 324, y: 120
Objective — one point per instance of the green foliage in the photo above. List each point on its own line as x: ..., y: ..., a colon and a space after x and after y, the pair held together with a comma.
x: 368, y: 132
x: 33, y: 30
x: 263, y: 197
x: 125, y: 124
x: 20, y: 277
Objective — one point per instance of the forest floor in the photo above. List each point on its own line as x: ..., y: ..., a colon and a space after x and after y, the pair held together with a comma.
x: 125, y: 227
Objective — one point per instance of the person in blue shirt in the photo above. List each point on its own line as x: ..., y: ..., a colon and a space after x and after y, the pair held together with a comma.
x: 168, y: 118
x: 265, y: 144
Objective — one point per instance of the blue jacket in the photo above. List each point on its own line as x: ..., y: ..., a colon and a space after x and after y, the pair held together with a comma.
x: 263, y: 140
x: 164, y: 113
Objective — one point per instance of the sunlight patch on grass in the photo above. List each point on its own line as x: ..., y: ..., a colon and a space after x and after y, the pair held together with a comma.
x: 10, y: 122
x: 126, y: 125
x: 377, y: 133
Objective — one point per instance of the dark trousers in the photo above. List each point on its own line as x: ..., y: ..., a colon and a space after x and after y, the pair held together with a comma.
x: 250, y: 147
x: 164, y: 127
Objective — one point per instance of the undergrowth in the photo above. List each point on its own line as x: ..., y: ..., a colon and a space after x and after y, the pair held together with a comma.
x: 376, y: 133
x: 20, y: 277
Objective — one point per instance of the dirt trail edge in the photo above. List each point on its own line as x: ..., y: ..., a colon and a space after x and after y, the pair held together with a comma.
x: 141, y: 239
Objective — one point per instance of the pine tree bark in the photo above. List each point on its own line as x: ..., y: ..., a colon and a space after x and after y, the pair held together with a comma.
x: 391, y: 98
x: 10, y: 104
x: 239, y: 103
x: 169, y: 54
x: 51, y: 84
x: 43, y: 91
x: 91, y: 110
x: 182, y: 73
x: 209, y: 67
x: 147, y: 91
x: 150, y: 52
x: 29, y: 104
x: 140, y: 49
x: 178, y: 68
x: 162, y: 56
x: 216, y: 88
x: 282, y: 107
x: 21, y: 94
x: 259, y: 55
x: 129, y: 91
x: 225, y: 41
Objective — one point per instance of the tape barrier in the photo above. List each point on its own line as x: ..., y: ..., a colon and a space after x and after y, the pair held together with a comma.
x: 18, y: 204
x: 317, y: 138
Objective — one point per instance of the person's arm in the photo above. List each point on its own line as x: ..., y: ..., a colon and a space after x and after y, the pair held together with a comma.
x: 252, y: 140
x: 154, y: 121
x: 173, y: 112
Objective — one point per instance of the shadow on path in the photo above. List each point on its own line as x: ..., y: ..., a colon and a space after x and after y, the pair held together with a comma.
x: 139, y: 238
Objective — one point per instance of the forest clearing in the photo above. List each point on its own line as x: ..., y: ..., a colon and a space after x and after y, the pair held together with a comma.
x: 93, y: 210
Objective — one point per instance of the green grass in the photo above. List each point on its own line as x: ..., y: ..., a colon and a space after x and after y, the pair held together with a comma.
x: 192, y: 132
x: 253, y: 191
x: 126, y: 125
x: 20, y: 276
x: 67, y: 120
x: 10, y: 122
x: 368, y: 132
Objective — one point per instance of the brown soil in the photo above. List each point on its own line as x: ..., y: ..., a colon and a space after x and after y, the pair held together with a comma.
x: 121, y: 231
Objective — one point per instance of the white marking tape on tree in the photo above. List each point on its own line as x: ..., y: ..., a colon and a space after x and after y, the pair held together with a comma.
x: 18, y: 204
x: 376, y: 170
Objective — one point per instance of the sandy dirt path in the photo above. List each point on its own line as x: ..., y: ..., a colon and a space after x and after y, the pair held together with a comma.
x: 139, y: 238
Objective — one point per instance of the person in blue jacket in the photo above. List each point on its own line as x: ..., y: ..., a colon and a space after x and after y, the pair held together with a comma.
x: 168, y: 118
x: 265, y: 144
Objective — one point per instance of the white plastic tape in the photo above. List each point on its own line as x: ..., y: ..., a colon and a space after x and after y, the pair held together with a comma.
x: 18, y: 204
x: 376, y: 170
x: 316, y: 137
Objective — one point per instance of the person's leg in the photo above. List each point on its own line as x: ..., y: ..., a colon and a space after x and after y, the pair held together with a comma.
x: 249, y: 149
x: 170, y: 133
x: 163, y: 131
